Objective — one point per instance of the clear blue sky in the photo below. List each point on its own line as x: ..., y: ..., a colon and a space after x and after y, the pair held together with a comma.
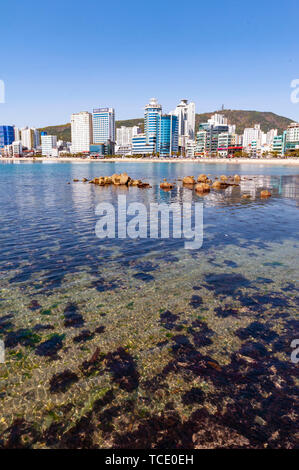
x: 59, y: 57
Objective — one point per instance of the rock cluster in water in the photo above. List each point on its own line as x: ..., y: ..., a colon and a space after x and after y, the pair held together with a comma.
x: 122, y: 179
x: 202, y: 185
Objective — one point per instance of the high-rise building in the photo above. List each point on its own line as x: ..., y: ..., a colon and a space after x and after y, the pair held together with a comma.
x: 278, y: 144
x: 30, y: 138
x: 252, y: 134
x: 81, y: 128
x: 190, y: 148
x: 292, y: 137
x: 17, y: 133
x: 151, y: 113
x: 270, y: 136
x: 185, y: 113
x: 167, y: 135
x: 124, y: 135
x: 6, y: 135
x: 217, y: 120
x: 17, y: 148
x: 49, y: 145
x: 103, y: 122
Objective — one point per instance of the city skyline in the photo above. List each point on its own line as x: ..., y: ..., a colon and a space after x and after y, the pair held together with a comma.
x: 244, y: 60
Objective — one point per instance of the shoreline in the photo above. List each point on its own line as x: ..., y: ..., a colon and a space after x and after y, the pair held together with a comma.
x: 275, y: 161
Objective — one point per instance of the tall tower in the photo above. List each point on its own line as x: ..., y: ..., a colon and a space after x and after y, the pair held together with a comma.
x: 186, y: 121
x: 167, y: 136
x: 103, y: 122
x: 152, y: 111
x: 6, y: 135
x: 81, y: 127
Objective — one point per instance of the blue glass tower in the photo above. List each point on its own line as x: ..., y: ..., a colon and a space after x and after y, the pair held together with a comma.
x: 151, y: 114
x: 167, y: 135
x: 6, y: 135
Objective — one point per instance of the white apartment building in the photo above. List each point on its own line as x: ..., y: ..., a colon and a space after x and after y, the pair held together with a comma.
x: 252, y: 134
x: 270, y: 136
x: 217, y: 120
x: 17, y: 133
x: 124, y: 135
x: 30, y: 137
x: 49, y: 145
x: 81, y: 129
x: 190, y: 148
x: 17, y: 148
x: 292, y: 134
x: 185, y: 113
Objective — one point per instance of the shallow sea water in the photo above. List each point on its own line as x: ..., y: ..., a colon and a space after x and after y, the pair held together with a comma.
x: 141, y: 343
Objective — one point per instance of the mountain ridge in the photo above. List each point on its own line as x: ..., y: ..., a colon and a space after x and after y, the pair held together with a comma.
x: 242, y: 119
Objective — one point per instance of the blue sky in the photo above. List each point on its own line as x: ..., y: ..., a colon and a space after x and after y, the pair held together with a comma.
x: 59, y: 57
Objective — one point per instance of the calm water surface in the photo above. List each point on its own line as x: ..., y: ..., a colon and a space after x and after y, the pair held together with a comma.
x: 113, y: 342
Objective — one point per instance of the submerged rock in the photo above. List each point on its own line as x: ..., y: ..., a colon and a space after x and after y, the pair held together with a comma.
x: 265, y: 193
x: 246, y: 196
x: 219, y: 185
x: 135, y: 182
x: 166, y: 185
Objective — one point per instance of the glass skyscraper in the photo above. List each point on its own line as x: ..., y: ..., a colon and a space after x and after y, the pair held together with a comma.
x: 151, y: 114
x: 103, y: 123
x: 7, y: 135
x: 167, y: 135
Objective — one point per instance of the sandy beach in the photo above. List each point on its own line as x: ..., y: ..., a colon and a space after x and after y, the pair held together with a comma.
x: 259, y: 161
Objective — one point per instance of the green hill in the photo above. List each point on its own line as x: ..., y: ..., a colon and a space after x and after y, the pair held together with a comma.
x: 241, y: 118
x: 244, y: 119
